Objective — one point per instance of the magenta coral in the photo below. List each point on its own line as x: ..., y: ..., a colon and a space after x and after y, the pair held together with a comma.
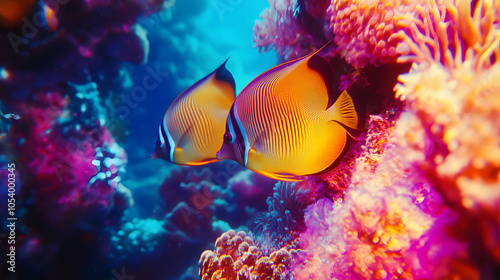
x: 278, y: 29
x: 65, y: 170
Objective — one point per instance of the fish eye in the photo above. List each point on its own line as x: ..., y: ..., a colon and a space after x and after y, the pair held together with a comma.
x: 228, y: 138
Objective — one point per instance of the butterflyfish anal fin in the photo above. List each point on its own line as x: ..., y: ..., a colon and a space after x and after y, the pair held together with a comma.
x: 280, y: 177
x: 202, y: 162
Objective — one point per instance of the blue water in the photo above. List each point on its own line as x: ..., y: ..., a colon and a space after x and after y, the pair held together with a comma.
x: 185, y: 42
x: 188, y: 44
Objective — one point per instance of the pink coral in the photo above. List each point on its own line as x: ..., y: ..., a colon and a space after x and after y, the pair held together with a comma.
x: 281, y: 29
x: 370, y: 31
x: 62, y: 163
x: 418, y: 195
x: 367, y: 151
x: 450, y: 35
x: 453, y: 92
x: 278, y: 29
x: 391, y: 224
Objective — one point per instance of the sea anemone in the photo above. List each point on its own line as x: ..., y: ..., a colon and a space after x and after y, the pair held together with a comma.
x: 285, y: 218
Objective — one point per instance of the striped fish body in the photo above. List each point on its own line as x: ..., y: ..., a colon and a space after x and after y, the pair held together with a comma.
x: 192, y: 128
x: 284, y: 122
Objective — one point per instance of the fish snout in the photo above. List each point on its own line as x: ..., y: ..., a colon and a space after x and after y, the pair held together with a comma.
x: 224, y: 152
x: 160, y: 152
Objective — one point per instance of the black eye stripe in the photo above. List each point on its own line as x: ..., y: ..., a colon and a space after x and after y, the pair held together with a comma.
x: 165, y: 138
x: 239, y: 137
x: 228, y: 138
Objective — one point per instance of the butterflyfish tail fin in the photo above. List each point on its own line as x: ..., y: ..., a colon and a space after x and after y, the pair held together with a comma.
x: 344, y: 112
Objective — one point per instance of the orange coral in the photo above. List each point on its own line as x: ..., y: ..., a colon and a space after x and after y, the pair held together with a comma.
x: 453, y: 92
x: 449, y: 34
x: 456, y: 95
x: 368, y: 31
x: 237, y: 257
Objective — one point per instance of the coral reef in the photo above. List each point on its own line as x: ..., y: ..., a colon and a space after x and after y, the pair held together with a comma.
x: 391, y: 224
x: 365, y: 32
x: 370, y: 31
x: 62, y: 67
x: 452, y: 92
x: 417, y: 196
x: 237, y: 257
x: 199, y: 204
x: 137, y: 238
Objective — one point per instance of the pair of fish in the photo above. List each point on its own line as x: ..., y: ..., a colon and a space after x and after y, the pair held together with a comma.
x: 284, y: 124
x: 12, y: 13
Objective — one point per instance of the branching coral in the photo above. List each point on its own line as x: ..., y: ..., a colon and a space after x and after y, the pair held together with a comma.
x: 236, y: 257
x: 453, y: 91
x: 450, y: 35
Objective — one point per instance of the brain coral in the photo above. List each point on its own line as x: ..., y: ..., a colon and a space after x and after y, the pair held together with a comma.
x: 368, y: 31
x: 237, y: 257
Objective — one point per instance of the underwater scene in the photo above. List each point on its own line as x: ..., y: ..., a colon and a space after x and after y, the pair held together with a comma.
x: 249, y: 139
